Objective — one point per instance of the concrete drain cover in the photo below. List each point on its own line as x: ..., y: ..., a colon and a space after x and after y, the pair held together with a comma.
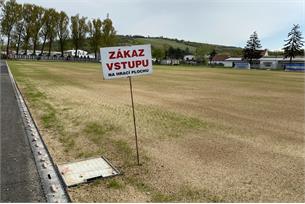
x: 83, y: 171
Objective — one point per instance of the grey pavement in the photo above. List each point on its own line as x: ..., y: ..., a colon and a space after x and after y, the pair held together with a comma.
x: 20, y: 180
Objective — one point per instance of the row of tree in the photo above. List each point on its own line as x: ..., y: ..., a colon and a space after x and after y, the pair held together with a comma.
x: 170, y: 52
x: 293, y: 45
x: 30, y: 26
x: 200, y: 53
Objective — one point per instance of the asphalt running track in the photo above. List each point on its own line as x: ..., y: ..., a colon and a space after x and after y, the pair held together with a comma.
x: 19, y: 179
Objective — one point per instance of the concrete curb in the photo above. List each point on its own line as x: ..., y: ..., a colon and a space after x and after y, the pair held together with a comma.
x: 53, y: 187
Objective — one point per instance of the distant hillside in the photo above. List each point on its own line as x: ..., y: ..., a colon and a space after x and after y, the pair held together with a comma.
x: 160, y: 42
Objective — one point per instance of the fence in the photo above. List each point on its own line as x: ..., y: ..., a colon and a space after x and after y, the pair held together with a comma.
x: 52, y: 58
x: 295, y: 67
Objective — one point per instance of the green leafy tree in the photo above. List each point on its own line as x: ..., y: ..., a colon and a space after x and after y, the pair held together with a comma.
x: 170, y: 53
x: 200, y: 54
x: 294, y: 43
x: 36, y: 24
x: 28, y: 24
x: 9, y: 18
x: 95, y: 31
x: 79, y: 29
x: 62, y: 30
x: 108, y: 33
x: 179, y: 53
x: 187, y: 51
x: 251, y: 50
x: 175, y: 53
x: 158, y: 53
x: 19, y: 29
x: 52, y: 28
x: 212, y: 55
x: 45, y: 30
x: 1, y: 42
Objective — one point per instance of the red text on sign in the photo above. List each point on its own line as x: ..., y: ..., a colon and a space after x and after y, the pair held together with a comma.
x: 126, y: 54
x: 129, y: 64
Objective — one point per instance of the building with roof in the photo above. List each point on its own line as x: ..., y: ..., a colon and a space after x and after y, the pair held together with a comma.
x: 80, y: 53
x: 189, y: 58
x: 236, y: 62
x: 269, y: 62
x: 264, y: 53
x: 170, y: 62
x: 231, y: 61
x: 280, y: 62
x: 219, y: 59
x: 297, y: 63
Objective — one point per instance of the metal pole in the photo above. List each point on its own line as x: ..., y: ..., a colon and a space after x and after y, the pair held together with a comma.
x: 134, y: 121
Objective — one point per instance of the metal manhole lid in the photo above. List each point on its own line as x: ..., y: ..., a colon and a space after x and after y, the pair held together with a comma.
x: 78, y: 172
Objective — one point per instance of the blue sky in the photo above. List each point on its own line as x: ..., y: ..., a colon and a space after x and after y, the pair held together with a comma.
x: 227, y: 22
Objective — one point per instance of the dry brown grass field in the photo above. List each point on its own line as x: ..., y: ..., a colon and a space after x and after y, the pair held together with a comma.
x: 205, y: 135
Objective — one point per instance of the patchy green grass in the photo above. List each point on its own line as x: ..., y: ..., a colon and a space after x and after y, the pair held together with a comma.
x: 163, y: 198
x: 201, y: 131
x: 123, y: 147
x: 171, y: 123
x: 115, y: 184
x: 49, y: 116
x: 98, y: 132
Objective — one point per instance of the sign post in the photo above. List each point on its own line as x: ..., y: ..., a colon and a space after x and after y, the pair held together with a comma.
x: 127, y: 61
x: 134, y: 121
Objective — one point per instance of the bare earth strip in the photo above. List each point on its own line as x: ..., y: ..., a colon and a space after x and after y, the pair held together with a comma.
x: 205, y: 134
